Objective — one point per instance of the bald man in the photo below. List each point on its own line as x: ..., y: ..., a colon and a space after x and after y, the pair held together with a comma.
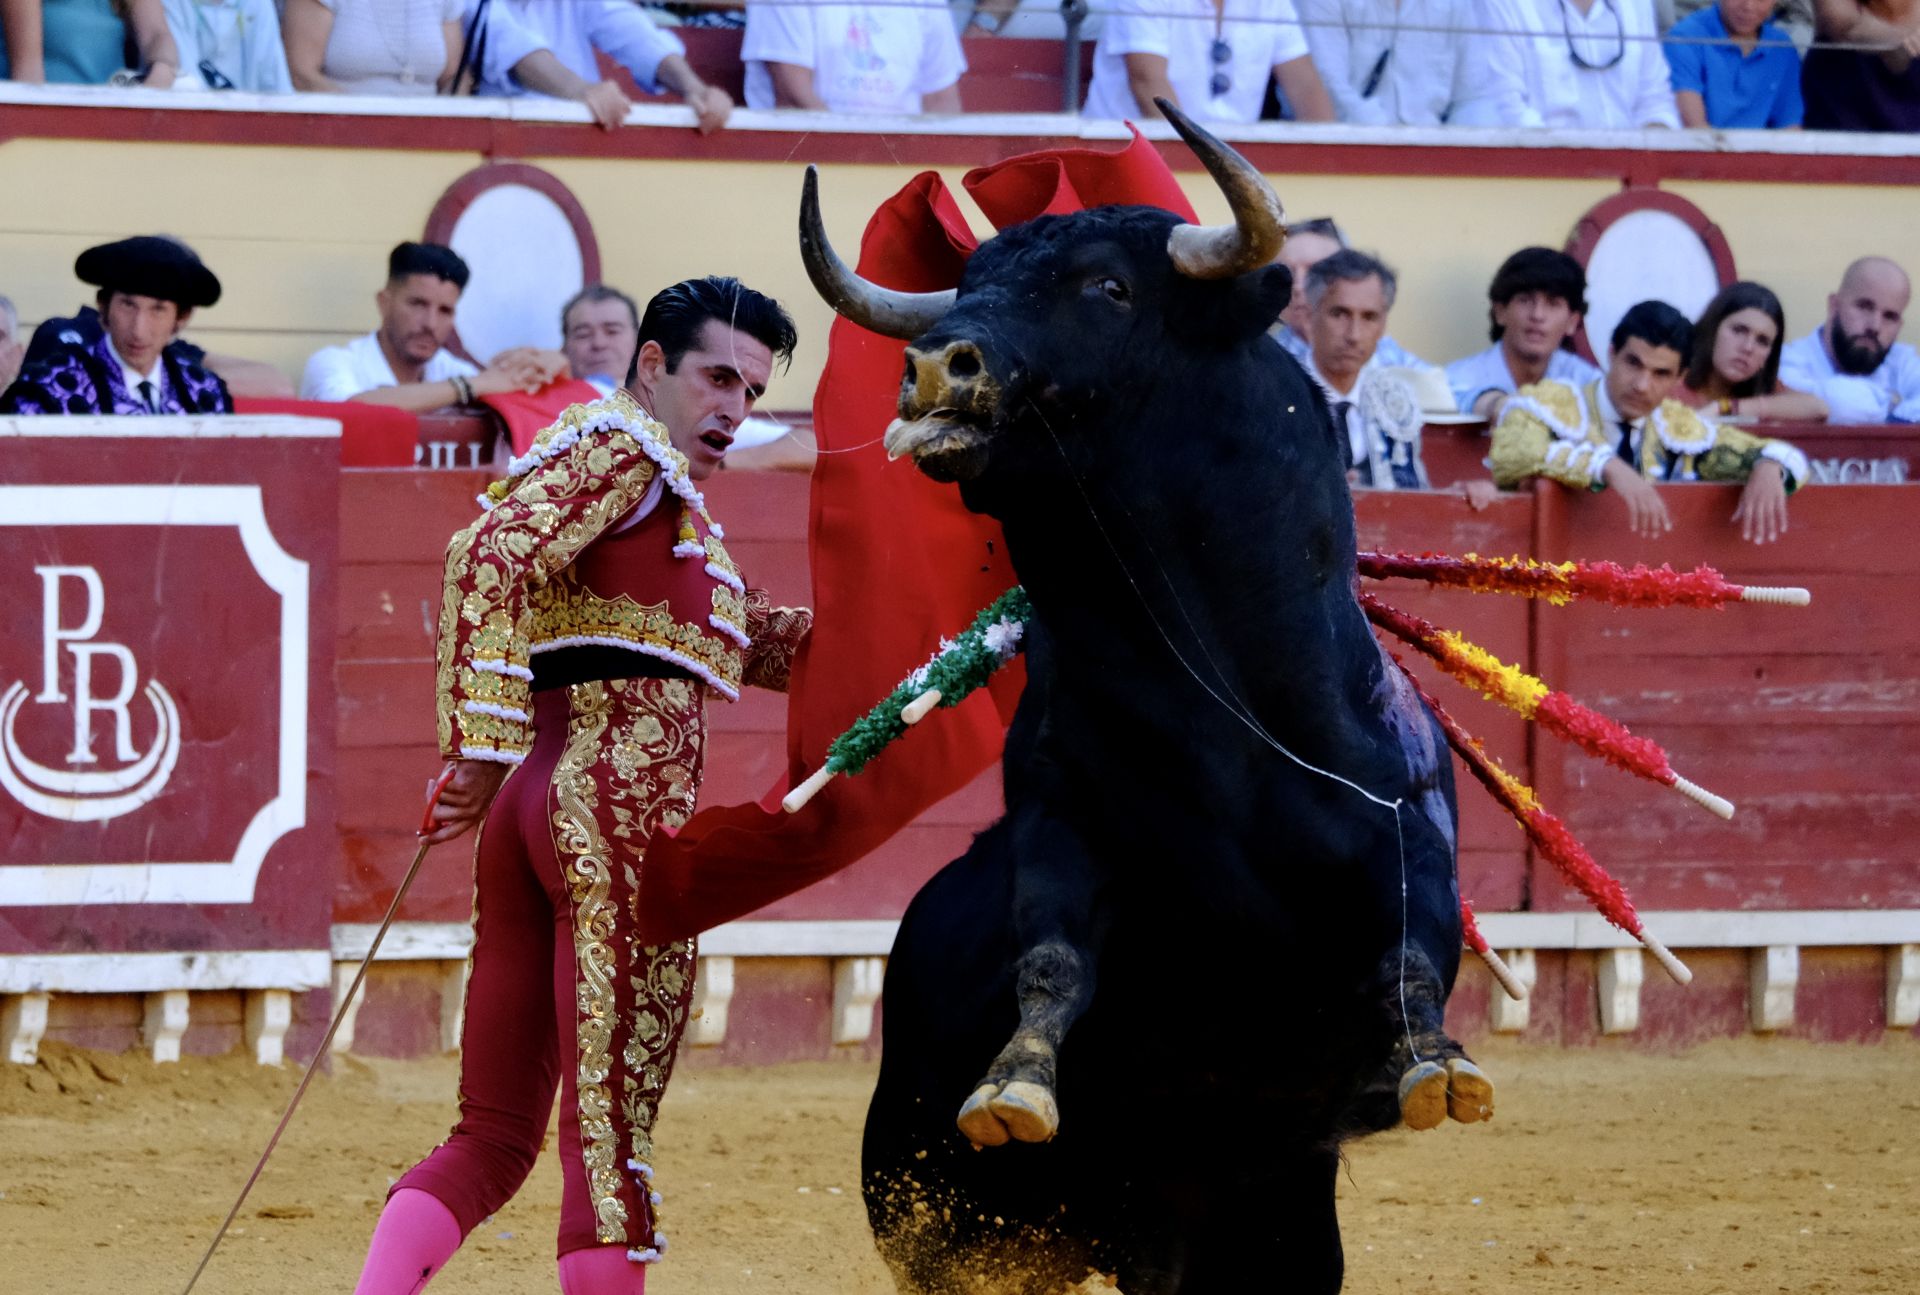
x: 1853, y: 361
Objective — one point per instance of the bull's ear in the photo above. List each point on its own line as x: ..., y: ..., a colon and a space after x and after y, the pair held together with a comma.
x: 1257, y: 298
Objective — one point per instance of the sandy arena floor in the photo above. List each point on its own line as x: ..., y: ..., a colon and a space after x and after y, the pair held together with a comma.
x: 1747, y: 1167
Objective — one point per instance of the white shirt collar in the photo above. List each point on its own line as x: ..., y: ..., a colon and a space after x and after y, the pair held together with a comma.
x: 1609, y: 416
x: 157, y: 376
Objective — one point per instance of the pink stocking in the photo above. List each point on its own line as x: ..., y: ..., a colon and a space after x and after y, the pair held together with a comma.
x: 601, y: 1270
x: 414, y: 1239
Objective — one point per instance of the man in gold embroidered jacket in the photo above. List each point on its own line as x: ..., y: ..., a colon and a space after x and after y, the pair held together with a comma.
x: 585, y: 616
x: 1622, y: 432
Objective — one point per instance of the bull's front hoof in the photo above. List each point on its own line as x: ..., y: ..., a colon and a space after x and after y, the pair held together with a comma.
x: 1423, y: 1096
x: 977, y: 1120
x: 1028, y: 1111
x: 1469, y: 1092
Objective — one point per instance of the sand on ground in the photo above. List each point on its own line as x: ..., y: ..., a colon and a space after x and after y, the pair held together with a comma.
x: 1751, y: 1166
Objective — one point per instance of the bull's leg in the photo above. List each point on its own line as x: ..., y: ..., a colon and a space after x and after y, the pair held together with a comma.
x: 1435, y: 1080
x: 1016, y: 1097
x: 1060, y: 918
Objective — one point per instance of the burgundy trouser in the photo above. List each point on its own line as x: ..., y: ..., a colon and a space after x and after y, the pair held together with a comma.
x: 560, y: 993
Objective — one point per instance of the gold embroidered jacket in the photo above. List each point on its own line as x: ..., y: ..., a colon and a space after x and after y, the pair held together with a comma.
x: 1550, y: 429
x: 516, y: 585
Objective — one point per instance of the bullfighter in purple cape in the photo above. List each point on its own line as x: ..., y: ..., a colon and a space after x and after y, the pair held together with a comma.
x: 149, y: 288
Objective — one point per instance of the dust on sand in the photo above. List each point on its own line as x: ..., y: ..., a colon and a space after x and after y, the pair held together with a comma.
x: 1749, y: 1166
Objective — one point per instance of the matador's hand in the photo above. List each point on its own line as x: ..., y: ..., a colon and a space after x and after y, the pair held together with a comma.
x: 464, y: 800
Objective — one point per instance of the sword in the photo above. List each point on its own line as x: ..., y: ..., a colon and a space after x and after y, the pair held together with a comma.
x: 339, y: 1014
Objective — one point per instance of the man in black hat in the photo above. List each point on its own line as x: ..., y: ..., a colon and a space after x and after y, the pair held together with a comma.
x: 148, y: 288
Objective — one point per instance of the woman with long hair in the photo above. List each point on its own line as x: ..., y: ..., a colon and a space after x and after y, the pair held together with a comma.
x: 1735, y: 366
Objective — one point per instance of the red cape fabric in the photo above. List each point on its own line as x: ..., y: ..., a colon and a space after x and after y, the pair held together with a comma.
x: 371, y: 436
x: 897, y: 564
x: 527, y: 415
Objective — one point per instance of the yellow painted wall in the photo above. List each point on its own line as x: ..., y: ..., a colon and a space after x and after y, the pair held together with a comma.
x: 299, y: 236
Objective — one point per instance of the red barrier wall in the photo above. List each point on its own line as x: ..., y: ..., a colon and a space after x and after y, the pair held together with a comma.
x: 1809, y: 720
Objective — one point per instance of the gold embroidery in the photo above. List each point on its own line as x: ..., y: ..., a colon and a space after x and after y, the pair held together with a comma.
x: 563, y: 611
x: 777, y: 633
x: 589, y: 877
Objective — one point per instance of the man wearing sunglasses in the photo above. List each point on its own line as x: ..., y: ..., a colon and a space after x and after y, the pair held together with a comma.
x: 1585, y: 64
x: 1211, y: 57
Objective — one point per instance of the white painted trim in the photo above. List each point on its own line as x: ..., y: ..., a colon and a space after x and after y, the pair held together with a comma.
x: 1060, y: 126
x: 806, y: 939
x: 164, y: 1024
x: 269, y: 1014
x: 712, y: 997
x: 211, y: 882
x: 343, y: 974
x: 172, y: 427
x: 140, y: 973
x: 856, y: 988
x: 1773, y: 976
x: 405, y: 942
x: 1506, y: 1015
x: 1903, y: 986
x: 23, y: 1020
x: 1621, y: 973
x: 1809, y: 928
x: 868, y: 938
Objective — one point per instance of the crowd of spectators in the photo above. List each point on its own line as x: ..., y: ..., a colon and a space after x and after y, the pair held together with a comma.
x: 1668, y: 402
x: 1724, y: 64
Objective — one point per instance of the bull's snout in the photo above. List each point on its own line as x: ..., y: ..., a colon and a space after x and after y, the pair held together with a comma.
x: 947, y: 400
x: 953, y: 376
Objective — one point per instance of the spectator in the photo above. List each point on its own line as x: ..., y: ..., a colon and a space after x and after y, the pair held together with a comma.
x: 148, y: 289
x: 402, y: 362
x: 548, y: 47
x: 1585, y: 64
x: 853, y: 58
x: 1212, y: 66
x: 1736, y: 359
x: 1374, y: 409
x: 1435, y: 70
x: 1734, y: 70
x: 1534, y: 308
x: 243, y: 377
x: 1853, y: 362
x: 600, y: 328
x: 1623, y: 432
x: 1852, y: 89
x: 11, y: 351
x: 86, y: 42
x: 1310, y: 242
x: 390, y: 47
x: 229, y: 45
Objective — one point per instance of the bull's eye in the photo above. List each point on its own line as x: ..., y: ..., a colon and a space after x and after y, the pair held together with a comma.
x: 1116, y: 291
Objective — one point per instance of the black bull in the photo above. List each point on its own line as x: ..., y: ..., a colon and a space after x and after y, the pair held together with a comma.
x: 1214, y: 933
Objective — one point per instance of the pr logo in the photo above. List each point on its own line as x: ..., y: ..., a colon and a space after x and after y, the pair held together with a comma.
x: 81, y: 792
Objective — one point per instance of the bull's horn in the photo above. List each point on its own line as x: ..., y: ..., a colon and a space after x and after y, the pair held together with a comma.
x: 881, y: 310
x: 1223, y: 251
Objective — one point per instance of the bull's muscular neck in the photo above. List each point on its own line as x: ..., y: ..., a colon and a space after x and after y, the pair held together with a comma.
x: 1213, y: 554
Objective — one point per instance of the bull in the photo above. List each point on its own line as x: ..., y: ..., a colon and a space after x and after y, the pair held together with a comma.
x: 1214, y: 933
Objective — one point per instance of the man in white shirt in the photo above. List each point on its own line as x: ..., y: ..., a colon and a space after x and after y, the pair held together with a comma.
x: 1348, y: 296
x: 547, y: 47
x: 229, y: 45
x: 403, y: 362
x: 1535, y: 304
x: 1410, y: 62
x: 1211, y: 63
x: 600, y: 331
x: 1585, y: 64
x: 1853, y: 361
x: 901, y: 59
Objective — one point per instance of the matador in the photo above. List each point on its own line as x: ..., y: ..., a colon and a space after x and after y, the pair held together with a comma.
x: 587, y: 614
